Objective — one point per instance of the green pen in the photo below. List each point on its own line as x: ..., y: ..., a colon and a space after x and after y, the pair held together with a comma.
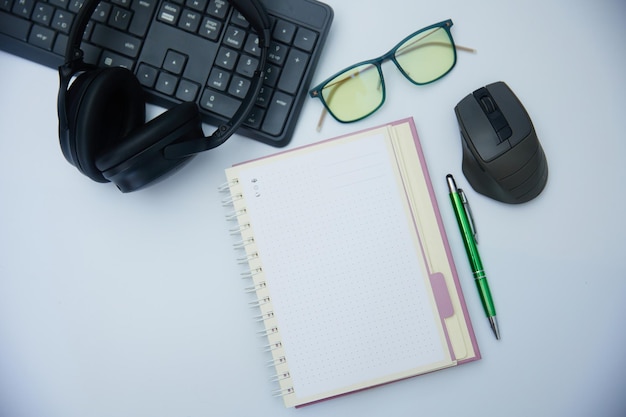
x: 466, y: 226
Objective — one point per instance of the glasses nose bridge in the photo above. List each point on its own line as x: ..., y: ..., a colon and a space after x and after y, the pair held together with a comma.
x: 382, y: 59
x: 389, y: 56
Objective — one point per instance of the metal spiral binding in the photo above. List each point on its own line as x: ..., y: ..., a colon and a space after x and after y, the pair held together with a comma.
x: 243, y: 243
x: 238, y: 230
x: 259, y: 302
x: 231, y: 199
x: 227, y: 185
x: 282, y: 392
x: 267, y: 332
x: 280, y: 376
x: 273, y: 346
x: 277, y: 361
x: 246, y: 259
x: 251, y: 273
x: 235, y: 214
x: 264, y: 316
x: 258, y: 286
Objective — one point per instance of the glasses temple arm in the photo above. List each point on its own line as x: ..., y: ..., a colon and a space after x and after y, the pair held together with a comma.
x: 320, y: 122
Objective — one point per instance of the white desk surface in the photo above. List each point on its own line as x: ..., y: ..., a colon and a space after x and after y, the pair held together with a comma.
x: 117, y: 305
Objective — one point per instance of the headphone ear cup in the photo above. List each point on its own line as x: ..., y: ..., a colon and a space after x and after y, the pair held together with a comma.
x: 139, y: 159
x: 103, y: 107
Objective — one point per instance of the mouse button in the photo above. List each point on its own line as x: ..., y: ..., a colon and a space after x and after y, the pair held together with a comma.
x: 518, y: 120
x: 495, y: 116
x: 483, y: 98
x: 505, y: 133
x: 479, y: 133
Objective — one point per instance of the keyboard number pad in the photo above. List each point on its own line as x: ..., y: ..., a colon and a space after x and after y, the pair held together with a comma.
x: 288, y: 59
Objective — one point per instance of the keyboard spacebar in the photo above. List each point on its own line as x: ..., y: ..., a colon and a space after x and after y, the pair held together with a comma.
x: 14, y: 26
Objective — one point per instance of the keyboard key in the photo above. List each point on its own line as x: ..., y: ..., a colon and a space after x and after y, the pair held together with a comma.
x: 252, y: 45
x: 247, y: 65
x: 234, y: 37
x: 218, y: 8
x: 23, y: 8
x: 272, y: 72
x: 305, y: 39
x: 143, y: 10
x: 226, y: 58
x: 75, y: 6
x: 189, y: 20
x: 116, y: 41
x: 62, y: 21
x: 120, y: 18
x: 263, y: 99
x: 277, y: 113
x: 198, y: 5
x: 277, y: 53
x: 219, y: 103
x: 43, y: 14
x: 210, y: 28
x: 219, y: 79
x: 166, y: 83
x: 255, y: 117
x: 59, y: 3
x: 174, y: 62
x: 294, y: 68
x: 102, y: 12
x: 14, y: 26
x: 60, y: 45
x: 147, y: 75
x: 239, y: 87
x: 169, y: 13
x: 93, y: 53
x: 240, y: 20
x: 42, y: 37
x: 284, y: 31
x: 111, y: 59
x: 187, y: 90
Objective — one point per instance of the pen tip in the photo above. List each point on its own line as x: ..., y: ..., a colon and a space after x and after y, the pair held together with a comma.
x: 494, y: 327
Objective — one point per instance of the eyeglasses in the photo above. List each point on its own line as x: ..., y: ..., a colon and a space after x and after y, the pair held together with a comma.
x: 358, y: 91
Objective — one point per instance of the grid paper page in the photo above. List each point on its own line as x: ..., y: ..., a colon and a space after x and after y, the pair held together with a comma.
x: 343, y: 271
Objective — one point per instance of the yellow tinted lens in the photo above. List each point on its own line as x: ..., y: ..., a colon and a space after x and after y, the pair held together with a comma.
x: 354, y: 93
x: 426, y: 56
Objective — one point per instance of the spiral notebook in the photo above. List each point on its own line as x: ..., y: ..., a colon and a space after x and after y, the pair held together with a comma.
x: 349, y: 264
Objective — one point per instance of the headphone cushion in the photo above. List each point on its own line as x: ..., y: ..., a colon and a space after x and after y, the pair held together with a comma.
x: 166, y: 128
x: 104, y: 106
x: 140, y: 159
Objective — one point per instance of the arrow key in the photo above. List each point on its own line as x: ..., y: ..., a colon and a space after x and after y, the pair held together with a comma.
x: 174, y: 62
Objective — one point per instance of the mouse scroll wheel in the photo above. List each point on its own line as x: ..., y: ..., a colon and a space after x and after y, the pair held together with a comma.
x: 488, y: 105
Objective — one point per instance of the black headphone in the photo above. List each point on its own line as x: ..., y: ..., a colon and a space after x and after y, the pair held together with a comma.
x: 102, y: 129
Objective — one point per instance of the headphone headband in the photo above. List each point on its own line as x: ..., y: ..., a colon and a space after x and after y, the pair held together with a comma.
x: 254, y: 13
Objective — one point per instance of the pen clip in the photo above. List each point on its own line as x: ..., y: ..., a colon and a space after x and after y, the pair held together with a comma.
x: 468, y: 213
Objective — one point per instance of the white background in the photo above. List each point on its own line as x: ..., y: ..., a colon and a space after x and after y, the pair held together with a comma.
x: 131, y: 305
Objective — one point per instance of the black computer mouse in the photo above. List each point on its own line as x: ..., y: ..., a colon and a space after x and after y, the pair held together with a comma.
x: 502, y: 156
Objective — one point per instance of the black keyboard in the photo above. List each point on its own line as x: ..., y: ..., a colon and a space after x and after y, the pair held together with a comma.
x: 185, y: 50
